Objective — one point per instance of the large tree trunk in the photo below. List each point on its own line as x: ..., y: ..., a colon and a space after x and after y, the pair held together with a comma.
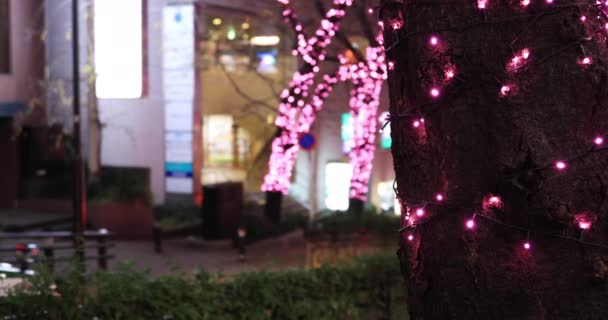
x: 474, y: 142
x: 272, y: 208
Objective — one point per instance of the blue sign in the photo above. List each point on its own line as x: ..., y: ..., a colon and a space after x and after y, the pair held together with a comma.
x: 307, y: 141
x: 11, y: 109
x: 176, y: 169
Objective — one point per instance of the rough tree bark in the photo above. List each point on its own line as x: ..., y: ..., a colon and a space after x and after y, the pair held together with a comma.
x: 474, y: 142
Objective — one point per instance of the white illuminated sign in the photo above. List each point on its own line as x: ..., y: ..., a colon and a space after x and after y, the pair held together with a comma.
x: 118, y: 48
x: 337, y: 185
x: 178, y: 89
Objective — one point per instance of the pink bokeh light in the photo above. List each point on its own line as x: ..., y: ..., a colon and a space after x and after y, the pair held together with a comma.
x: 470, y: 224
x: 585, y: 220
x: 598, y: 141
x: 434, y: 92
x: 311, y: 50
x: 491, y: 201
x: 367, y: 79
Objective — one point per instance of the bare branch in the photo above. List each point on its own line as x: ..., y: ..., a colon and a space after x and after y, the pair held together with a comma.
x: 270, y: 84
x: 370, y: 34
x: 244, y: 95
x: 339, y: 34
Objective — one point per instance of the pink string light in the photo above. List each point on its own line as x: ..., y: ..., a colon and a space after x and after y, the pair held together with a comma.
x: 449, y: 73
x: 598, y: 141
x: 585, y: 61
x: 585, y: 220
x: 470, y: 224
x: 396, y: 25
x: 420, y: 212
x: 434, y: 92
x: 560, y: 165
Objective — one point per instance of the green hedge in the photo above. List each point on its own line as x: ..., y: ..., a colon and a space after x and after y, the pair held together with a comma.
x: 368, y: 288
x: 121, y: 184
x: 381, y: 224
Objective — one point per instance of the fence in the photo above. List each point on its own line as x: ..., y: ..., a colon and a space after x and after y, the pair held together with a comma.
x: 50, y: 248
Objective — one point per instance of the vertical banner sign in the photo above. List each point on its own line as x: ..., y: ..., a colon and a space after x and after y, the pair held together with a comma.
x: 179, y: 92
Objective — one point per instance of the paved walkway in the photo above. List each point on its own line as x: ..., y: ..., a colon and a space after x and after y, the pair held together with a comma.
x: 189, y: 254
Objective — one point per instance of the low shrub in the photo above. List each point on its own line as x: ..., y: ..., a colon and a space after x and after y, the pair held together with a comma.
x: 380, y: 224
x: 368, y: 288
x: 178, y: 214
x: 259, y: 227
x: 117, y: 184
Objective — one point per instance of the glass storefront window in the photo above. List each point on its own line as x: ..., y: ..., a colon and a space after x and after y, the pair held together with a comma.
x: 239, y: 43
x: 245, y: 61
x: 220, y: 141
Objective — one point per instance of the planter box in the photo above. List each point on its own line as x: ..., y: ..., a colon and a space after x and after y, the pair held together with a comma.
x: 132, y: 220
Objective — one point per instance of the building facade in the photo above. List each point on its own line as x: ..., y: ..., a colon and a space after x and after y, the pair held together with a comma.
x: 185, y: 89
x: 21, y: 90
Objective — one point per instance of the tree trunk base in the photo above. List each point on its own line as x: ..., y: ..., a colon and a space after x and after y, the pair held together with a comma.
x: 272, y: 209
x: 355, y: 206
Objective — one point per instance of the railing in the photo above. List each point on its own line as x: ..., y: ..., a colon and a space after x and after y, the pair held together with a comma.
x: 43, y: 225
x: 43, y: 247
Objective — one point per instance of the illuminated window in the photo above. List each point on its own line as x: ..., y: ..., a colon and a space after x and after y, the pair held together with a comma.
x: 347, y: 132
x: 5, y: 31
x: 385, y: 139
x: 386, y: 197
x: 119, y: 48
x: 337, y: 185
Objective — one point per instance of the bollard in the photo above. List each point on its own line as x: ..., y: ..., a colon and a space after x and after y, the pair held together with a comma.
x: 21, y: 255
x: 157, y: 233
x: 240, y: 239
x: 102, y: 251
x: 49, y: 253
x: 49, y: 256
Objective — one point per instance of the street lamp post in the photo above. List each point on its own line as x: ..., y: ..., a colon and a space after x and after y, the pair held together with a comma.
x: 79, y: 199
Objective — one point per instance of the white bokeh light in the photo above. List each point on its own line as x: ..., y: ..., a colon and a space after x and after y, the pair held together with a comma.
x: 119, y: 48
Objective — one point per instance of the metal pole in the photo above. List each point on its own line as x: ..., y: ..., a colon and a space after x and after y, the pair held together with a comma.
x: 79, y: 196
